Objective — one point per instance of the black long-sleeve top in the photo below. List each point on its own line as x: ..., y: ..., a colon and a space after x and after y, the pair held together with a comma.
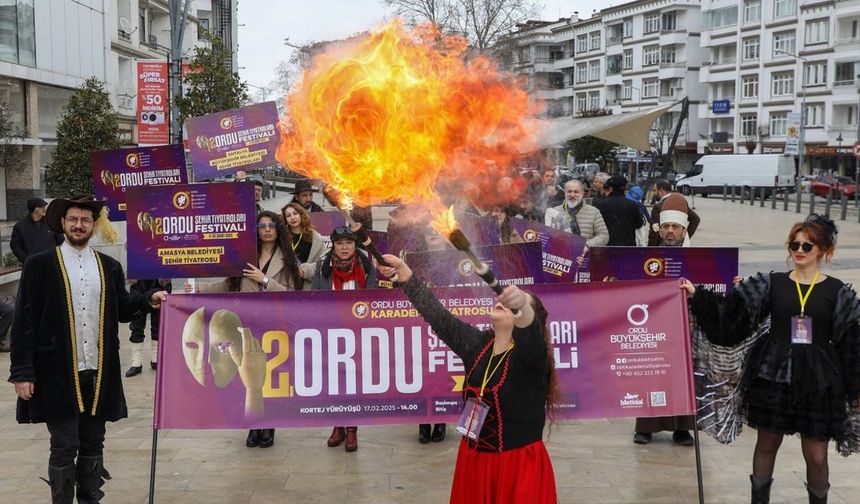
x: 517, y: 391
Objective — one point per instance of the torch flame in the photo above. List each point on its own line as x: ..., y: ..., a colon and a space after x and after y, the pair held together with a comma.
x: 445, y: 222
x: 396, y: 113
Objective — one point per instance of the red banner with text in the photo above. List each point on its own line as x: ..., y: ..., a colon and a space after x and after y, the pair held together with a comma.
x: 152, y: 103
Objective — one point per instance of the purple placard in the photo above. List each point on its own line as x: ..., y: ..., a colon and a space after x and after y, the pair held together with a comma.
x: 325, y: 222
x: 480, y: 231
x: 513, y: 264
x: 560, y: 250
x: 237, y: 139
x: 366, y: 357
x: 191, y: 230
x: 116, y: 170
x: 712, y: 268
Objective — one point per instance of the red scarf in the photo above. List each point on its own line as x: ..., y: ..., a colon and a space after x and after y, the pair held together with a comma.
x: 349, y: 270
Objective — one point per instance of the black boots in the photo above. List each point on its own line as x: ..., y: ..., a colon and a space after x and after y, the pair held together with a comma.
x: 424, y: 435
x: 62, y: 481
x: 760, y: 490
x: 817, y: 496
x: 91, y: 476
x: 438, y: 433
x: 267, y: 438
x: 253, y: 439
x: 133, y: 371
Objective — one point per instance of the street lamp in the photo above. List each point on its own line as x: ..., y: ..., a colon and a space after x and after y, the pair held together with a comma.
x: 801, y: 146
x: 839, y: 166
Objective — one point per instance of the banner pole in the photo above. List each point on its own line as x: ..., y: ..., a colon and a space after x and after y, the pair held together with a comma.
x: 698, y: 459
x: 155, y: 452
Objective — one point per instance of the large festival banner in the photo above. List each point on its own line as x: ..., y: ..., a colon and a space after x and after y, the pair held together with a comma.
x: 152, y: 103
x: 114, y: 171
x: 560, y: 250
x: 513, y: 264
x: 321, y: 358
x: 191, y: 230
x: 712, y: 268
x: 237, y: 139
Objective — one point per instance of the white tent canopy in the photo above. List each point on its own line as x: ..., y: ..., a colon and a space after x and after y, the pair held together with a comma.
x: 630, y: 129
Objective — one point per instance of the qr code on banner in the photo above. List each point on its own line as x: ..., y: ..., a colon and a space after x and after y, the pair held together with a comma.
x: 658, y: 398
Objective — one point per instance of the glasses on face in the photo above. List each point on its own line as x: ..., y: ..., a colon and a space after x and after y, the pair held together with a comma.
x: 796, y: 245
x: 85, y: 221
x: 266, y: 225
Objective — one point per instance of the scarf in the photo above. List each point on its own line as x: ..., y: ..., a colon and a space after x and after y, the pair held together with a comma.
x: 574, y: 225
x: 347, y: 274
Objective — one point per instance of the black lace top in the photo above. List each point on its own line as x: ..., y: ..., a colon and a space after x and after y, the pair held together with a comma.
x: 516, y: 393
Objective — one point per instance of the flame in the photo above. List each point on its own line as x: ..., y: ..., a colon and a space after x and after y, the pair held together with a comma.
x: 397, y: 114
x: 445, y: 222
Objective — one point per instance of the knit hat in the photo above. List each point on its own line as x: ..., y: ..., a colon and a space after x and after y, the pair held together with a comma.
x: 617, y: 182
x: 675, y: 210
x: 34, y: 203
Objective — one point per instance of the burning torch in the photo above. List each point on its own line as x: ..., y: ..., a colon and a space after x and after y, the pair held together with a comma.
x: 342, y: 202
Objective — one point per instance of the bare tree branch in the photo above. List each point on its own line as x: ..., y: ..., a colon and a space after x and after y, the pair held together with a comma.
x: 486, y: 21
x: 438, y: 12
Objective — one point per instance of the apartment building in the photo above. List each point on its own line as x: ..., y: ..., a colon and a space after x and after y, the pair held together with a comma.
x: 765, y: 59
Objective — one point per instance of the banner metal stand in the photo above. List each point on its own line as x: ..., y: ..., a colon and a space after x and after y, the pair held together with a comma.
x: 153, y: 457
x: 698, y: 460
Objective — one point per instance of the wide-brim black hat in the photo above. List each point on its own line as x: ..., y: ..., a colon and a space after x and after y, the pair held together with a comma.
x: 58, y: 207
x: 303, y: 186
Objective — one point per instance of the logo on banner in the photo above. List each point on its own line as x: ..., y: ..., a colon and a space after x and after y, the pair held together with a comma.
x: 638, y: 314
x: 132, y: 160
x: 653, y: 267
x: 181, y: 200
x: 226, y: 123
x: 465, y: 267
x: 530, y: 235
x: 632, y: 401
x: 360, y: 310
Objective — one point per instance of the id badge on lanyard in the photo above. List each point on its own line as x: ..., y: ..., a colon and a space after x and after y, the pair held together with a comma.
x: 472, y: 420
x: 801, y: 326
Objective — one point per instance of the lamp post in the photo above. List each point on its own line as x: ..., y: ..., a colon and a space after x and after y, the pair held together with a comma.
x: 801, y: 145
x: 839, y: 165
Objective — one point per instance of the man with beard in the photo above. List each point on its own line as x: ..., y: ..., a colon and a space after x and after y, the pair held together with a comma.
x: 579, y: 218
x: 663, y: 190
x: 65, y: 347
x: 673, y: 230
x: 598, y: 189
x: 303, y: 194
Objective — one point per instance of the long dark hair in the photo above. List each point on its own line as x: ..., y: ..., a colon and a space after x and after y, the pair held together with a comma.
x: 291, y: 262
x: 553, y: 391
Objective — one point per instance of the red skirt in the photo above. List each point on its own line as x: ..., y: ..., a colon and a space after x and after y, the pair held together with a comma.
x: 515, y: 476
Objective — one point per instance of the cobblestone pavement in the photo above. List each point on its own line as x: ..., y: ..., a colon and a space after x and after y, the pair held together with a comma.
x: 594, y: 461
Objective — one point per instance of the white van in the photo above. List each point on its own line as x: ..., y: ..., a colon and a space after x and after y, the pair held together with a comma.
x: 711, y: 173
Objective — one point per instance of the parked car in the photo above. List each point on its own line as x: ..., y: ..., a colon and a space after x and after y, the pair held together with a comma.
x: 823, y: 186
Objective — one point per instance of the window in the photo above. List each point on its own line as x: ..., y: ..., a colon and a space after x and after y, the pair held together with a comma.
x: 580, y: 102
x: 581, y: 43
x: 628, y: 28
x: 719, y: 18
x: 142, y: 20
x: 783, y: 43
x: 595, y: 40
x: 815, y: 74
x: 613, y: 64
x: 817, y: 31
x: 815, y: 115
x: 626, y: 90
x: 594, y: 100
x: 627, y: 61
x: 650, y: 88
x: 851, y: 115
x: 844, y: 74
x: 778, y: 123
x: 668, y: 21
x: 749, y: 86
x: 782, y: 8
x: 581, y: 72
x: 650, y: 55
x: 17, y: 32
x: 652, y: 23
x: 667, y: 54
x: 751, y: 48
x: 752, y: 11
x: 594, y: 70
x: 782, y: 84
x: 51, y: 101
x: 749, y: 125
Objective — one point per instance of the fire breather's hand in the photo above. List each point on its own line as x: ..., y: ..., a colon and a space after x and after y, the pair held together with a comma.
x: 513, y: 297
x: 396, y: 266
x: 252, y: 369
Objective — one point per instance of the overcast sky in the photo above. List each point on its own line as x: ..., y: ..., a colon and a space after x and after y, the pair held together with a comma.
x: 264, y: 24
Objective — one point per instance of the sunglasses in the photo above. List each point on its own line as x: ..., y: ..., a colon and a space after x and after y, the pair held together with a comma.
x: 796, y: 245
x: 266, y: 225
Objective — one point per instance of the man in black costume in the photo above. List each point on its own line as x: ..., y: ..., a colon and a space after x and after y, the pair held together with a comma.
x: 65, y: 347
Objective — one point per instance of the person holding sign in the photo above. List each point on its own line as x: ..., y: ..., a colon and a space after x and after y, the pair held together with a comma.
x: 277, y: 269
x: 305, y: 241
x: 798, y: 337
x: 510, y: 386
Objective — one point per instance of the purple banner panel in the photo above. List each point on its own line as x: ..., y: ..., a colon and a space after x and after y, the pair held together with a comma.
x: 237, y: 139
x: 191, y: 230
x: 319, y: 358
x: 480, y: 231
x: 711, y: 268
x: 560, y: 250
x: 514, y: 264
x: 116, y: 170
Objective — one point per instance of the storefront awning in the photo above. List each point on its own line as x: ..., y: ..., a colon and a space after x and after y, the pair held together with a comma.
x: 632, y: 129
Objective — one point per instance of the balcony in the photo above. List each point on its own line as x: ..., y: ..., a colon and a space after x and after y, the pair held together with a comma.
x: 725, y: 60
x: 846, y: 82
x: 673, y: 64
x: 842, y: 128
x: 122, y: 35
x: 613, y: 40
x: 848, y: 41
